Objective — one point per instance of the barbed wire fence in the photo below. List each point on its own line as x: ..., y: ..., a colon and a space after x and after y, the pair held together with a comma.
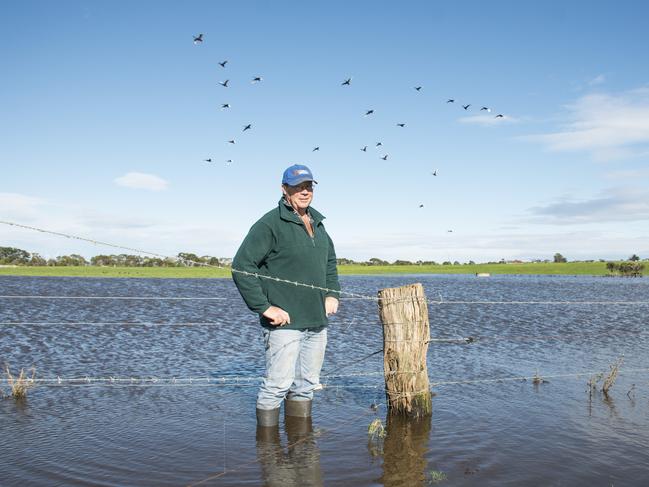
x: 242, y: 381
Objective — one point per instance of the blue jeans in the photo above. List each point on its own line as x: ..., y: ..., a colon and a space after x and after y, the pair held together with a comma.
x: 293, y: 362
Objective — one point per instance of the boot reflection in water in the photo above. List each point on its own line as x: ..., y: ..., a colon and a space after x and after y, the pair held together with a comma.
x: 296, y: 465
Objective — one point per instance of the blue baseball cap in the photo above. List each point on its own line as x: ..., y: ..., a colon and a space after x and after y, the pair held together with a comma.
x: 297, y: 174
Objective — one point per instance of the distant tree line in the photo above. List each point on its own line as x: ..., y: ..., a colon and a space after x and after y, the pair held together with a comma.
x: 14, y: 256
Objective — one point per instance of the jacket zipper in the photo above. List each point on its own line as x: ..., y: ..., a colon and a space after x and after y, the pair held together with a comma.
x: 312, y: 237
x: 305, y: 229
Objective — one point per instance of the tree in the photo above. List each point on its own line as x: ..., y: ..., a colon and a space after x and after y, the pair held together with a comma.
x: 71, y: 260
x: 14, y: 256
x: 102, y: 260
x: 559, y: 259
x: 634, y: 258
x: 187, y: 256
x: 36, y: 259
x: 377, y: 261
x: 213, y: 261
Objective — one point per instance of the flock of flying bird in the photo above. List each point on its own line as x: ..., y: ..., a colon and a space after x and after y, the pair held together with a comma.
x: 347, y: 82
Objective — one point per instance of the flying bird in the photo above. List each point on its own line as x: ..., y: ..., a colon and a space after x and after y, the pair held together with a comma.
x: 450, y: 100
x: 364, y: 149
x: 500, y: 115
x: 385, y: 157
x: 401, y: 125
x: 379, y: 144
x: 229, y: 161
x: 449, y: 231
x: 418, y: 88
x: 232, y: 141
x: 347, y: 82
x: 434, y: 173
x: 486, y: 108
x: 369, y: 112
x: 224, y: 106
x: 208, y: 160
x: 222, y: 64
x: 466, y: 107
x: 198, y: 38
x: 421, y: 206
x: 315, y: 149
x: 257, y: 79
x: 224, y: 83
x: 247, y: 127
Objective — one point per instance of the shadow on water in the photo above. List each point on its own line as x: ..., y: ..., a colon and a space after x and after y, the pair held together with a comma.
x: 297, y: 463
x: 404, y: 450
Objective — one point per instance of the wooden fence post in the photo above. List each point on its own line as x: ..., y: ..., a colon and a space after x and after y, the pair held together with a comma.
x: 406, y: 332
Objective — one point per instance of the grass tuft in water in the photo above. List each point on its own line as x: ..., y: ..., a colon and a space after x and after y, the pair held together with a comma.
x: 21, y: 384
x: 537, y: 379
x: 376, y: 433
x: 436, y: 476
x: 612, y: 375
x: 376, y: 430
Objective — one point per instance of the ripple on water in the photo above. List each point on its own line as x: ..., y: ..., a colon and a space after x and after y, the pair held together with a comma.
x: 480, y: 434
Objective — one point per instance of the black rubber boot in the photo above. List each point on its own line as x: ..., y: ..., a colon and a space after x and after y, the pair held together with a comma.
x: 267, y: 417
x: 268, y: 437
x: 298, y: 409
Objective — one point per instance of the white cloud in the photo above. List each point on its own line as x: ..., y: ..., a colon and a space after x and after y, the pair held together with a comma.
x: 19, y: 206
x: 138, y: 180
x: 488, y: 120
x: 628, y: 174
x: 607, y: 126
x: 612, y: 205
x: 159, y: 234
x: 597, y: 80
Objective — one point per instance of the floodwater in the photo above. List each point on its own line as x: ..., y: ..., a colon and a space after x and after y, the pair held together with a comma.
x: 480, y: 434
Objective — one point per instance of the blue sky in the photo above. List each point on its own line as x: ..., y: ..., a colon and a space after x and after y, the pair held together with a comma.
x: 109, y: 109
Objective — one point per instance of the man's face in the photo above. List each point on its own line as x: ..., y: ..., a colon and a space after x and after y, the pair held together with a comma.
x: 299, y: 196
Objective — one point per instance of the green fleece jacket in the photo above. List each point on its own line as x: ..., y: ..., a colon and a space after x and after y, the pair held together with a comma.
x: 279, y: 245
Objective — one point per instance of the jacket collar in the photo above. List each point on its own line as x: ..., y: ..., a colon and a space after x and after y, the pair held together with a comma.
x: 287, y: 213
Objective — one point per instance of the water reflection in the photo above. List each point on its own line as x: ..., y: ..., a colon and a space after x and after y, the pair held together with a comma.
x: 404, y: 450
x: 127, y: 434
x: 296, y: 464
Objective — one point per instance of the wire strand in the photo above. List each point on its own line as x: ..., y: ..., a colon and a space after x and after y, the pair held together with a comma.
x: 191, y: 262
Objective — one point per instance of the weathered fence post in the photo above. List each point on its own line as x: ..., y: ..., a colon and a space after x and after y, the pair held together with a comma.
x: 406, y: 332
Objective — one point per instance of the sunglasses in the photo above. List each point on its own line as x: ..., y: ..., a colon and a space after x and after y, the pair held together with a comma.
x: 307, y: 185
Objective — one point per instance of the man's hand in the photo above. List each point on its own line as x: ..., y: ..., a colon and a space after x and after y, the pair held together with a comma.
x: 277, y: 316
x: 331, y: 305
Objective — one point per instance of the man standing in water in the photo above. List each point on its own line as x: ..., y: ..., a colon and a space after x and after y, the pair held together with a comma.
x: 290, y: 243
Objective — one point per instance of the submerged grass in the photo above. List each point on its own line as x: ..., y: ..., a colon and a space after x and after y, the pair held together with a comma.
x: 608, y: 379
x: 537, y: 379
x: 436, y: 476
x: 21, y: 384
x: 612, y: 375
x: 376, y: 433
x: 376, y: 430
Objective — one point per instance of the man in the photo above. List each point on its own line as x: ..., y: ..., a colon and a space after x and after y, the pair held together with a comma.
x: 289, y: 243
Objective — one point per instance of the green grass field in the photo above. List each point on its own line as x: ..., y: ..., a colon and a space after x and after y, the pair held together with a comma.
x: 569, y: 268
